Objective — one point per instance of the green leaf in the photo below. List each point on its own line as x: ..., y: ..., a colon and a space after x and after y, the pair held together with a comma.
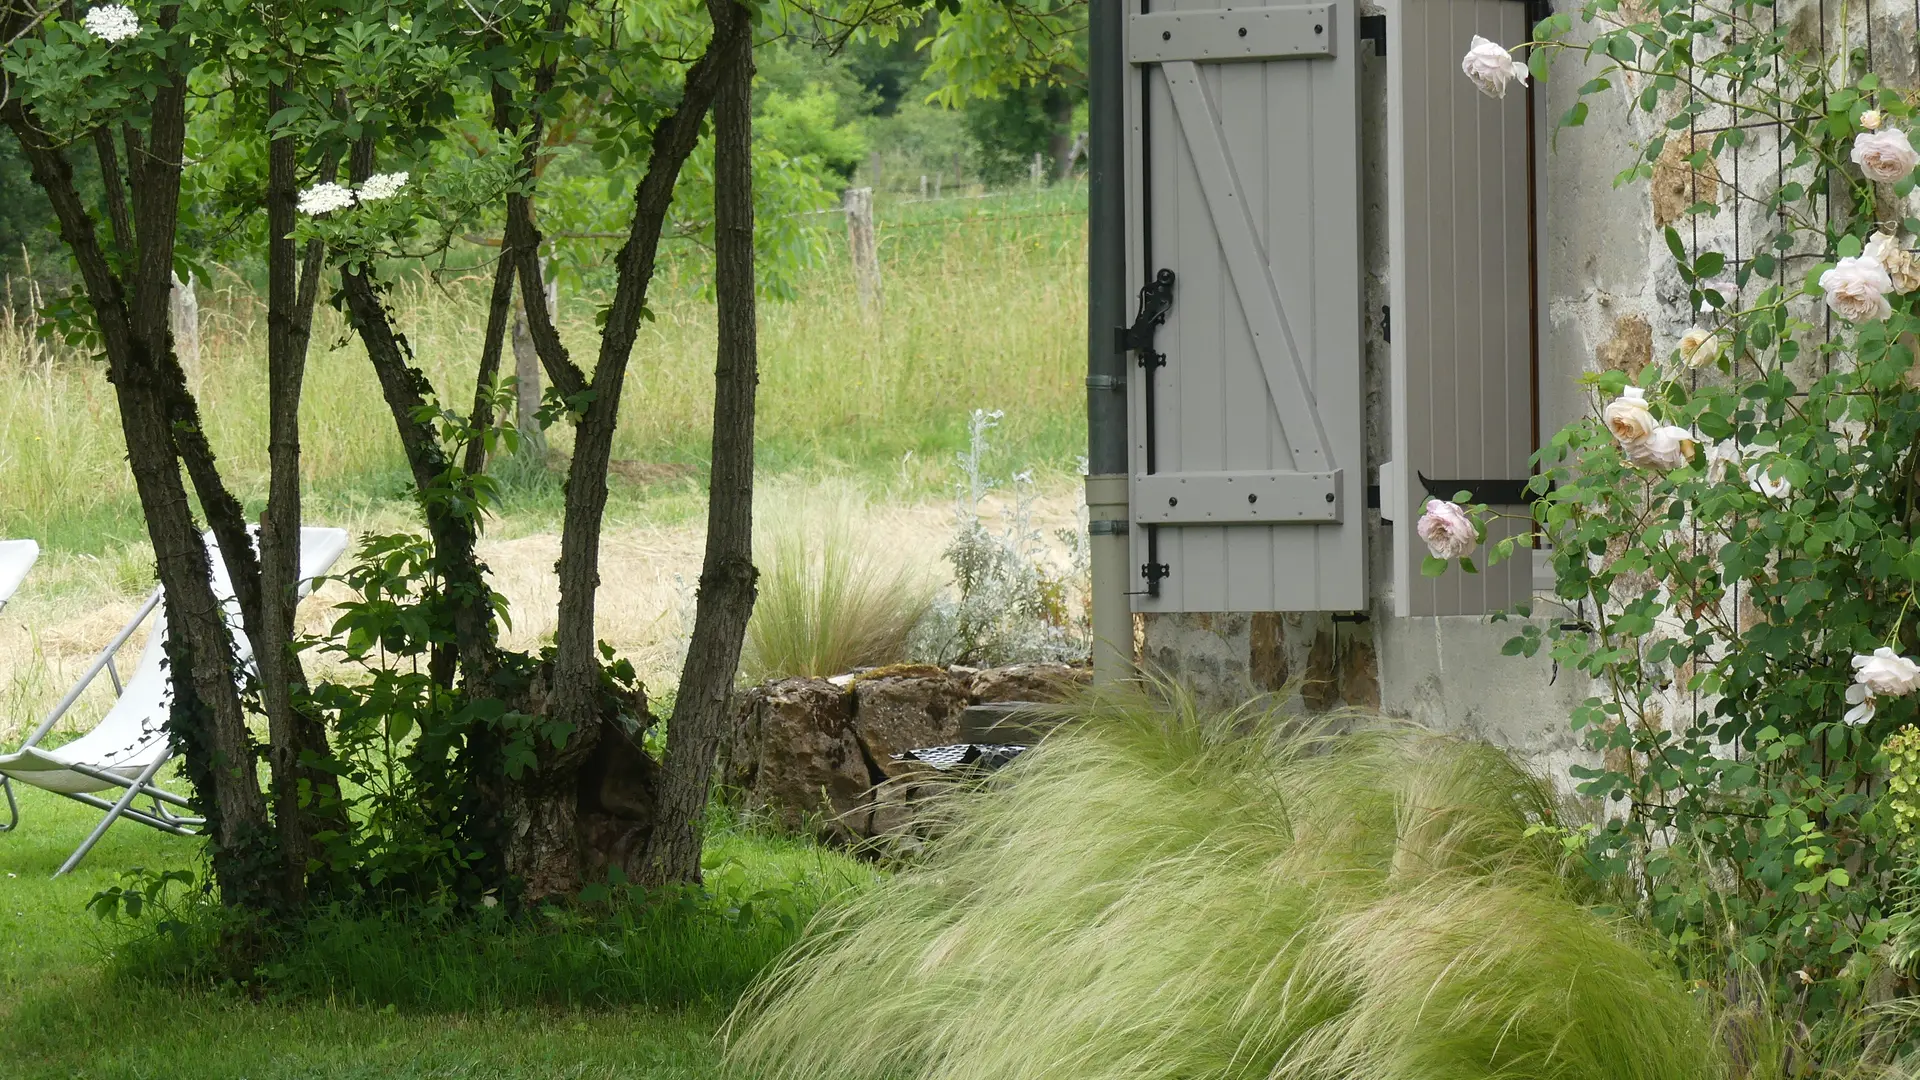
x: 1432, y: 566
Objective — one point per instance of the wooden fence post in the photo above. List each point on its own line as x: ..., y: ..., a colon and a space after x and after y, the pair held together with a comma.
x: 526, y: 360
x: 183, y: 312
x: 864, y: 245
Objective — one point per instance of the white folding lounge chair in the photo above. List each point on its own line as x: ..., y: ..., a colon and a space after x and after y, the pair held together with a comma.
x: 129, y: 745
x: 16, y: 558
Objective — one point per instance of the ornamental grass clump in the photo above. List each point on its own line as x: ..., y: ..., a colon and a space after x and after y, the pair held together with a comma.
x: 1160, y: 892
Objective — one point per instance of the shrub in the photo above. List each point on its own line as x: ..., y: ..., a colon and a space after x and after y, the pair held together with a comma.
x: 1160, y: 893
x: 1011, y: 604
x: 826, y: 605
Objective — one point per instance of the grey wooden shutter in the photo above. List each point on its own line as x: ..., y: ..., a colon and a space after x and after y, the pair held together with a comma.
x: 1248, y: 478
x: 1461, y: 228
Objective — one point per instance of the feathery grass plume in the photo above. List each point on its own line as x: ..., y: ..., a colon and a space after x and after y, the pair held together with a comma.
x: 1159, y: 892
x: 826, y: 606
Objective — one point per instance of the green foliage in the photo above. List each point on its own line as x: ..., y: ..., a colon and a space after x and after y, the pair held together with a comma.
x: 827, y: 606
x: 1161, y: 892
x: 1012, y: 604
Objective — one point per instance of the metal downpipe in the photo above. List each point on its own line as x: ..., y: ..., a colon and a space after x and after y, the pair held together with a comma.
x: 1107, y: 510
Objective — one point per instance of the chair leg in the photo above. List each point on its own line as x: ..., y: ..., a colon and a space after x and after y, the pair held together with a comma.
x: 120, y: 807
x: 13, y: 808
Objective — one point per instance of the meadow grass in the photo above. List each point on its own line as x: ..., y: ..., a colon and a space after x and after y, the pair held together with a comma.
x: 983, y: 307
x: 588, y: 995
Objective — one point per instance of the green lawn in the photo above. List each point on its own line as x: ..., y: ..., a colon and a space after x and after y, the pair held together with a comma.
x: 64, y: 1012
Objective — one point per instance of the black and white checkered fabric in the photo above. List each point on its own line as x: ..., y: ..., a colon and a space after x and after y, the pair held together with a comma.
x: 988, y: 756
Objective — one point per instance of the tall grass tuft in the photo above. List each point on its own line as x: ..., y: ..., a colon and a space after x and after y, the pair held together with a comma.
x: 826, y: 605
x: 1162, y: 893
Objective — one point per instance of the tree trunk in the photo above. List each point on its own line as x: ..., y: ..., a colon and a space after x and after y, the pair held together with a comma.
x: 727, y: 575
x: 577, y: 671
x: 293, y: 730
x: 207, y: 722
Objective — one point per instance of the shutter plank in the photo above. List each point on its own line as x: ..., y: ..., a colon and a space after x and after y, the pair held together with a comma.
x: 1246, y: 257
x: 1459, y: 234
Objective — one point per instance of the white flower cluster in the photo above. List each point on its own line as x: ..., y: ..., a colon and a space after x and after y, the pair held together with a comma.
x: 1491, y: 67
x: 325, y: 199
x: 382, y: 186
x: 1857, y: 286
x: 328, y: 197
x: 112, y: 22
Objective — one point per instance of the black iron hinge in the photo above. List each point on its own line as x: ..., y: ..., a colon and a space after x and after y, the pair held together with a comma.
x: 1374, y: 28
x: 1155, y: 573
x: 1156, y: 300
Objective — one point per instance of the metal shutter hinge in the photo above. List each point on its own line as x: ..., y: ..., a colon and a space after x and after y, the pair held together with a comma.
x: 1155, y: 573
x: 1156, y: 300
x: 1106, y: 527
x: 1106, y: 382
x: 1374, y: 28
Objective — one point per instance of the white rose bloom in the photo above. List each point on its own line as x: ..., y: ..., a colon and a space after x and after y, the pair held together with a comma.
x: 112, y: 22
x: 1871, y: 120
x: 382, y: 186
x: 1884, y: 155
x: 325, y: 199
x: 1884, y: 674
x: 1857, y: 289
x: 1764, y: 482
x: 1448, y: 531
x: 1699, y: 348
x: 1897, y: 261
x: 1628, y: 418
x: 1663, y: 448
x: 1491, y: 67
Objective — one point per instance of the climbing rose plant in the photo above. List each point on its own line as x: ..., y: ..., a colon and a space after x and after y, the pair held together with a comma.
x: 1733, y: 531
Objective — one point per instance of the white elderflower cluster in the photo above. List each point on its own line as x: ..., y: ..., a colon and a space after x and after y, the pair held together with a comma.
x: 112, y: 22
x: 325, y: 199
x: 382, y: 186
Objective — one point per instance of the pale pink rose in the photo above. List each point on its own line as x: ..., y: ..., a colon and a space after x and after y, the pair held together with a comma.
x: 1857, y: 289
x: 1492, y: 67
x: 1884, y: 155
x: 1628, y: 418
x: 1448, y: 531
x: 1896, y: 260
x: 1699, y: 348
x: 1871, y: 120
x: 1884, y: 674
x: 1664, y: 448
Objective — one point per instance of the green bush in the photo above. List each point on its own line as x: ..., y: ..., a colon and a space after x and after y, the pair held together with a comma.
x: 1161, y: 893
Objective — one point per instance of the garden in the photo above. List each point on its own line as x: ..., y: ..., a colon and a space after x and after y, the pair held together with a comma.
x: 697, y: 683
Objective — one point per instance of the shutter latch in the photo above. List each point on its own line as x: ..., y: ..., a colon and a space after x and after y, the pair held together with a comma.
x: 1156, y: 299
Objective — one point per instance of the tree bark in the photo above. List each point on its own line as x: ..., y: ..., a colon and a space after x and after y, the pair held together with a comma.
x: 727, y: 575
x: 294, y: 733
